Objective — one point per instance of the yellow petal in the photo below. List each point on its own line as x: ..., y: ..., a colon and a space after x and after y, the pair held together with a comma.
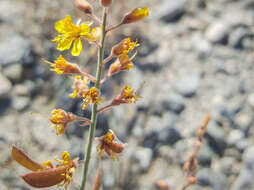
x: 65, y: 25
x: 85, y: 29
x: 77, y: 47
x: 64, y: 44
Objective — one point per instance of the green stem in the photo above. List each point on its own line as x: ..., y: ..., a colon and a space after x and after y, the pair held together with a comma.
x: 94, y: 107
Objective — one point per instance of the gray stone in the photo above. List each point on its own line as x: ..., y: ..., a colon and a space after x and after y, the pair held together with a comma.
x: 236, y: 37
x: 15, y: 49
x: 13, y: 72
x: 216, y: 138
x: 235, y: 136
x: 171, y: 11
x: 188, y: 85
x: 205, y: 155
x: 217, y: 32
x: 243, y: 122
x: 5, y: 86
x: 207, y: 177
x: 245, y: 180
x: 202, y: 46
x: 20, y: 103
x: 20, y: 90
x: 143, y: 157
x: 251, y: 100
x: 173, y: 102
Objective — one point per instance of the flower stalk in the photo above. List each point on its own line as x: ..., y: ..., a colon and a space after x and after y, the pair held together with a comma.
x: 94, y: 107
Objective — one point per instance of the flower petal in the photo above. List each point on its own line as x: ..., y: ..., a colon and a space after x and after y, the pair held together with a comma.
x: 65, y: 25
x: 64, y: 44
x: 77, y: 47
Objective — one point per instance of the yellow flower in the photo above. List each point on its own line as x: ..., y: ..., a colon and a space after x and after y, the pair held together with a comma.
x: 108, y: 143
x: 61, y: 66
x: 69, y: 33
x: 124, y: 47
x: 60, y: 119
x: 91, y: 97
x: 65, y: 158
x: 80, y: 86
x: 135, y: 15
x: 127, y: 96
x: 96, y: 33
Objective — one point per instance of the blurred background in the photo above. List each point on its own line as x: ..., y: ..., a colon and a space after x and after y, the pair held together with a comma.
x: 195, y: 58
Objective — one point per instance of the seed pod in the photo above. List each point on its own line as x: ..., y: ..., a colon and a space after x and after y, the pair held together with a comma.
x: 46, y: 178
x: 106, y: 3
x: 24, y: 160
x: 116, y: 147
x: 84, y: 6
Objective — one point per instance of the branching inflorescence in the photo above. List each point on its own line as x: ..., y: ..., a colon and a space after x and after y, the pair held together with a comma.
x: 72, y: 36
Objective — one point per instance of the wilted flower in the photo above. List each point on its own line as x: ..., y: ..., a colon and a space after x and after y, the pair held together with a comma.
x: 92, y: 96
x: 80, y: 86
x: 108, y: 143
x: 127, y: 96
x: 124, y: 47
x: 135, y: 15
x: 122, y: 63
x: 69, y: 33
x: 60, y: 119
x: 84, y: 6
x: 46, y: 175
x: 61, y: 66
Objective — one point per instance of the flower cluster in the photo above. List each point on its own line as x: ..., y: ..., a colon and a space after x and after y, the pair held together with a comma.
x: 87, y: 88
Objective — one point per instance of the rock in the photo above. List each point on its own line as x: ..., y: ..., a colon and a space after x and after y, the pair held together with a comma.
x: 160, y: 133
x: 5, y: 87
x: 235, y: 136
x: 20, y: 90
x: 20, y: 103
x: 236, y: 37
x: 171, y: 11
x: 172, y: 102
x: 217, y: 32
x: 243, y: 122
x: 15, y: 49
x: 245, y: 180
x: 202, y: 46
x: 216, y: 138
x: 250, y: 100
x: 13, y: 72
x: 205, y: 155
x: 143, y: 157
x: 207, y: 177
x: 188, y: 85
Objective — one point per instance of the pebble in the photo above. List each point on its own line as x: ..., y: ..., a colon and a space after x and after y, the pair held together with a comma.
x: 5, y: 86
x: 171, y: 11
x: 13, y: 72
x: 250, y: 100
x: 217, y: 32
x: 188, y: 85
x: 16, y: 49
x: 143, y: 157
x: 237, y: 36
x: 172, y: 102
x: 235, y: 136
x: 20, y: 103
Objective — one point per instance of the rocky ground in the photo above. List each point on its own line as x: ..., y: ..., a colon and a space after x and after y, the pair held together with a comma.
x: 196, y: 58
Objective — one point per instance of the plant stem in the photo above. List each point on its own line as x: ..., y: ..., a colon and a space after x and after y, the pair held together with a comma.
x: 94, y: 107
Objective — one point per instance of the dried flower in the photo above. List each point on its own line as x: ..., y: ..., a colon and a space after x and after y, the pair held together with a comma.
x: 80, y: 86
x: 46, y: 175
x: 106, y: 3
x: 96, y: 33
x: 124, y: 47
x: 122, y: 63
x: 110, y: 144
x: 127, y: 96
x: 92, y: 96
x: 135, y: 15
x: 69, y: 33
x: 84, y: 6
x: 61, y: 66
x: 60, y: 119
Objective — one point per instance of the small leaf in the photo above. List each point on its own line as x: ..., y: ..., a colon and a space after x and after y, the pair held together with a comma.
x: 45, y: 178
x: 24, y: 160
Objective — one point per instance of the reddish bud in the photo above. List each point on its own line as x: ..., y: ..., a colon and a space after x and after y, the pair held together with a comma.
x: 106, y: 3
x: 84, y: 6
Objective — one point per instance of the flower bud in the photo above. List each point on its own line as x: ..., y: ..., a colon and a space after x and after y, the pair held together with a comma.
x: 135, y: 15
x: 84, y: 6
x: 106, y: 3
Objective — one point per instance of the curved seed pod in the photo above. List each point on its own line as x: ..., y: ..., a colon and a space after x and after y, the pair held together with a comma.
x: 46, y: 178
x: 116, y: 147
x: 24, y: 160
